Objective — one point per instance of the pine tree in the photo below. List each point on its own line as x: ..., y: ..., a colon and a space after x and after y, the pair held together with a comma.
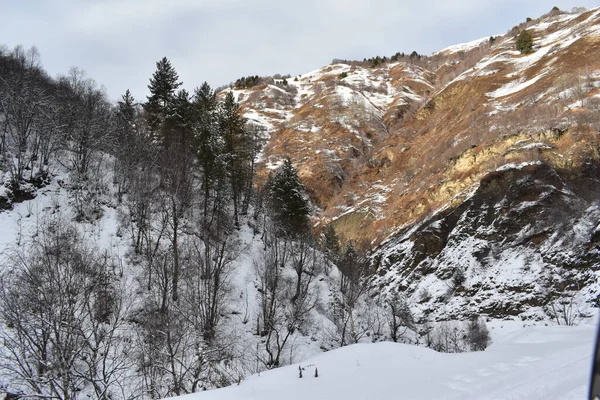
x: 524, y: 42
x: 331, y: 243
x: 163, y: 84
x: 127, y: 155
x: 178, y: 122
x: 126, y: 107
x: 287, y: 200
x: 352, y: 266
x: 209, y: 144
x: 237, y: 148
x: 125, y: 119
x: 176, y: 168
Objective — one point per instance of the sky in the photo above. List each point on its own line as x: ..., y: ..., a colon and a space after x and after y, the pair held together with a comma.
x: 117, y: 42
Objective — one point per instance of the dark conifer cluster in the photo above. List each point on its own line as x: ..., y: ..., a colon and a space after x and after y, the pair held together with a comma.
x: 246, y: 82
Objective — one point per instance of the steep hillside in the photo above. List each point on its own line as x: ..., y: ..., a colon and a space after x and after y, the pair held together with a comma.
x: 475, y: 158
x: 331, y: 119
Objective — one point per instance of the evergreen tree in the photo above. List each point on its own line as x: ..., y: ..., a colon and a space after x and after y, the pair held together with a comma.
x: 353, y: 265
x: 178, y: 122
x: 205, y: 96
x: 331, y: 243
x: 348, y: 262
x: 176, y: 172
x: 163, y: 84
x: 524, y: 42
x: 209, y: 144
x: 126, y: 115
x: 238, y: 150
x: 287, y: 200
x: 126, y: 108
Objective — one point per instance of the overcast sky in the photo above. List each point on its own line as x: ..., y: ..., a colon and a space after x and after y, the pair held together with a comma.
x: 117, y: 42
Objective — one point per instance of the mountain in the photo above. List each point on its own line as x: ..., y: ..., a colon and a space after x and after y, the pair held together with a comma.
x: 478, y: 161
x: 158, y: 249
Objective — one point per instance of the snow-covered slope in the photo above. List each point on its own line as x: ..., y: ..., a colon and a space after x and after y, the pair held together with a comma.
x: 531, y: 363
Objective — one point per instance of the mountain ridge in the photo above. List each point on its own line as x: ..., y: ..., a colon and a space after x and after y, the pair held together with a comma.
x: 377, y: 100
x: 388, y: 148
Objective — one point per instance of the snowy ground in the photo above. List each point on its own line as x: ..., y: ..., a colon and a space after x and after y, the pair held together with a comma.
x: 543, y: 362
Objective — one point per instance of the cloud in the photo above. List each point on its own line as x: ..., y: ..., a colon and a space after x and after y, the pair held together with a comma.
x: 118, y: 41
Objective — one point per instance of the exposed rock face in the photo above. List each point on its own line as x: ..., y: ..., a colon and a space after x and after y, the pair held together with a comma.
x: 526, y: 237
x: 477, y: 160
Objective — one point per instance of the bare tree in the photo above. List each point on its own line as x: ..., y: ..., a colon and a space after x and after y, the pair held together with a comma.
x: 286, y: 295
x: 87, y: 121
x: 400, y: 318
x: 25, y: 105
x: 171, y: 354
x: 352, y: 291
x: 269, y: 273
x: 63, y: 317
x: 179, y: 349
x: 565, y: 311
x: 448, y: 337
x: 207, y: 286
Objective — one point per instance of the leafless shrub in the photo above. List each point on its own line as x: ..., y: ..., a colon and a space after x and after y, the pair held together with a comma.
x: 478, y: 336
x: 455, y: 337
x: 448, y: 337
x: 565, y: 311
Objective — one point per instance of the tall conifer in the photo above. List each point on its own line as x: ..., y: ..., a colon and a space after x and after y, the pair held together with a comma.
x: 163, y: 84
x: 287, y: 200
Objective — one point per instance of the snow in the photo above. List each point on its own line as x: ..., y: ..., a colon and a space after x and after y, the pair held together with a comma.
x: 542, y: 362
x: 546, y: 46
x: 255, y: 117
x: 510, y: 166
x: 464, y: 46
x: 238, y: 94
x: 514, y: 87
x: 522, y: 62
x: 542, y: 146
x: 536, y: 145
x: 19, y: 225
